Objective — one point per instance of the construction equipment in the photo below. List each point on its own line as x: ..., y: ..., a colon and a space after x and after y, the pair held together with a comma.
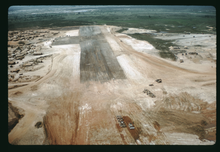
x: 193, y: 53
x: 121, y: 121
x: 149, y: 93
x: 131, y: 126
x: 159, y: 80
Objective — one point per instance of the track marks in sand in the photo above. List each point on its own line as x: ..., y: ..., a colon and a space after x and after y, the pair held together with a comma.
x: 61, y: 120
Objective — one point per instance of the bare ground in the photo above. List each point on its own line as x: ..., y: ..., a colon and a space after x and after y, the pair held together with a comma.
x: 183, y: 111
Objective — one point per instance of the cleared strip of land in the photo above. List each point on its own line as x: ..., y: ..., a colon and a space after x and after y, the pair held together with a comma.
x: 98, y: 62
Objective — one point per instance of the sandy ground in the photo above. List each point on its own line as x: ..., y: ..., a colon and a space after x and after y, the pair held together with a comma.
x: 72, y: 33
x: 72, y: 112
x: 136, y: 30
x: 138, y: 45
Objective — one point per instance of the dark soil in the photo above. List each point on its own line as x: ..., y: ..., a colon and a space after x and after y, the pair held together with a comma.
x: 17, y: 93
x: 18, y: 115
x: 39, y: 124
x: 156, y: 125
x: 134, y: 132
x: 12, y: 124
x: 34, y: 88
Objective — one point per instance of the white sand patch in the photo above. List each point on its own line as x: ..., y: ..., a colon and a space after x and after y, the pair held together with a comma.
x: 124, y: 35
x: 119, y: 104
x: 52, y: 89
x: 113, y: 106
x: 74, y: 52
x: 84, y: 108
x: 72, y: 59
x: 69, y: 48
x: 73, y: 33
x: 128, y: 67
x: 113, y: 44
x: 114, y: 28
x: 108, y: 29
x: 138, y: 45
x: 34, y: 94
x: 145, y: 103
x: 186, y: 139
x: 76, y: 67
x: 207, y: 40
x: 209, y: 97
x: 47, y: 44
x: 138, y: 142
x: 136, y: 30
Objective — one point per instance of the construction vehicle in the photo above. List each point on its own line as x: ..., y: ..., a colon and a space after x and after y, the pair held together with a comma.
x: 149, y: 93
x: 131, y: 126
x: 121, y: 121
x: 159, y: 80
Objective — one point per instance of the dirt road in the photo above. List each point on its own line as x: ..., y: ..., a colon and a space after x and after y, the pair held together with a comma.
x: 92, y: 82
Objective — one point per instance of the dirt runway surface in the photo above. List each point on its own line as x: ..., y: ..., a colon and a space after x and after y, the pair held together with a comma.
x: 97, y: 61
x: 95, y: 77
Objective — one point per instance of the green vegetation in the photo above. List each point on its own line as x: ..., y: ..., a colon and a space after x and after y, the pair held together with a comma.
x: 177, y: 19
x: 170, y: 19
x: 121, y: 30
x: 162, y: 45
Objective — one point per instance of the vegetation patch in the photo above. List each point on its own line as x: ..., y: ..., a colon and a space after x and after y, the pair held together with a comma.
x: 194, y: 19
x: 121, y: 30
x: 161, y: 45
